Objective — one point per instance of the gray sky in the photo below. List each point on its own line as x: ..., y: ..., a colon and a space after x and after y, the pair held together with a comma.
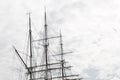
x: 91, y: 28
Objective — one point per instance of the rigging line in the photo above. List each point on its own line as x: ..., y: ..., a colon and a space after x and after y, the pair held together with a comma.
x: 26, y: 38
x: 55, y: 57
x: 34, y: 27
x: 59, y: 73
x: 42, y: 31
x: 53, y: 30
x: 27, y: 49
x: 34, y: 59
x: 35, y: 30
x: 53, y: 42
x: 39, y: 55
x: 42, y: 59
x: 26, y: 76
x: 50, y: 49
x: 49, y: 67
x: 51, y: 53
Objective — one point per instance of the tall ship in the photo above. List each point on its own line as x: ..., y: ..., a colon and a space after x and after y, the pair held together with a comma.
x: 44, y: 60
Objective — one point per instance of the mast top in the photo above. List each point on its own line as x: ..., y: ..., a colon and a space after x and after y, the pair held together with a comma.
x: 60, y: 33
x: 29, y: 14
x: 45, y: 16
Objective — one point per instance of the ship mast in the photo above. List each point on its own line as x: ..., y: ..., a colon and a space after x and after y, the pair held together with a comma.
x: 62, y: 60
x: 46, y: 46
x: 30, y: 34
x: 32, y: 69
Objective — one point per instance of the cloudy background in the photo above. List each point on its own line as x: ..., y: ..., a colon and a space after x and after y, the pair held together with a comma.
x: 91, y: 28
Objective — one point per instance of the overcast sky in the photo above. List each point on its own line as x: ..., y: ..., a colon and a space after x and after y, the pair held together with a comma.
x: 91, y: 28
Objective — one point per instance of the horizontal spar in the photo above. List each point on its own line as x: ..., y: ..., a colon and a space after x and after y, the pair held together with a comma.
x: 47, y: 38
x: 62, y: 53
x: 47, y: 64
x: 56, y: 77
x: 51, y: 69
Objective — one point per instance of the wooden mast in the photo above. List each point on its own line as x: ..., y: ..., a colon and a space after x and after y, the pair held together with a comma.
x: 46, y: 46
x: 62, y: 60
x: 46, y: 64
x: 30, y: 34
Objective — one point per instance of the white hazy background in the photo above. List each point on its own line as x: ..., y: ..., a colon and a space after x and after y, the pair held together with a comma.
x: 91, y: 28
